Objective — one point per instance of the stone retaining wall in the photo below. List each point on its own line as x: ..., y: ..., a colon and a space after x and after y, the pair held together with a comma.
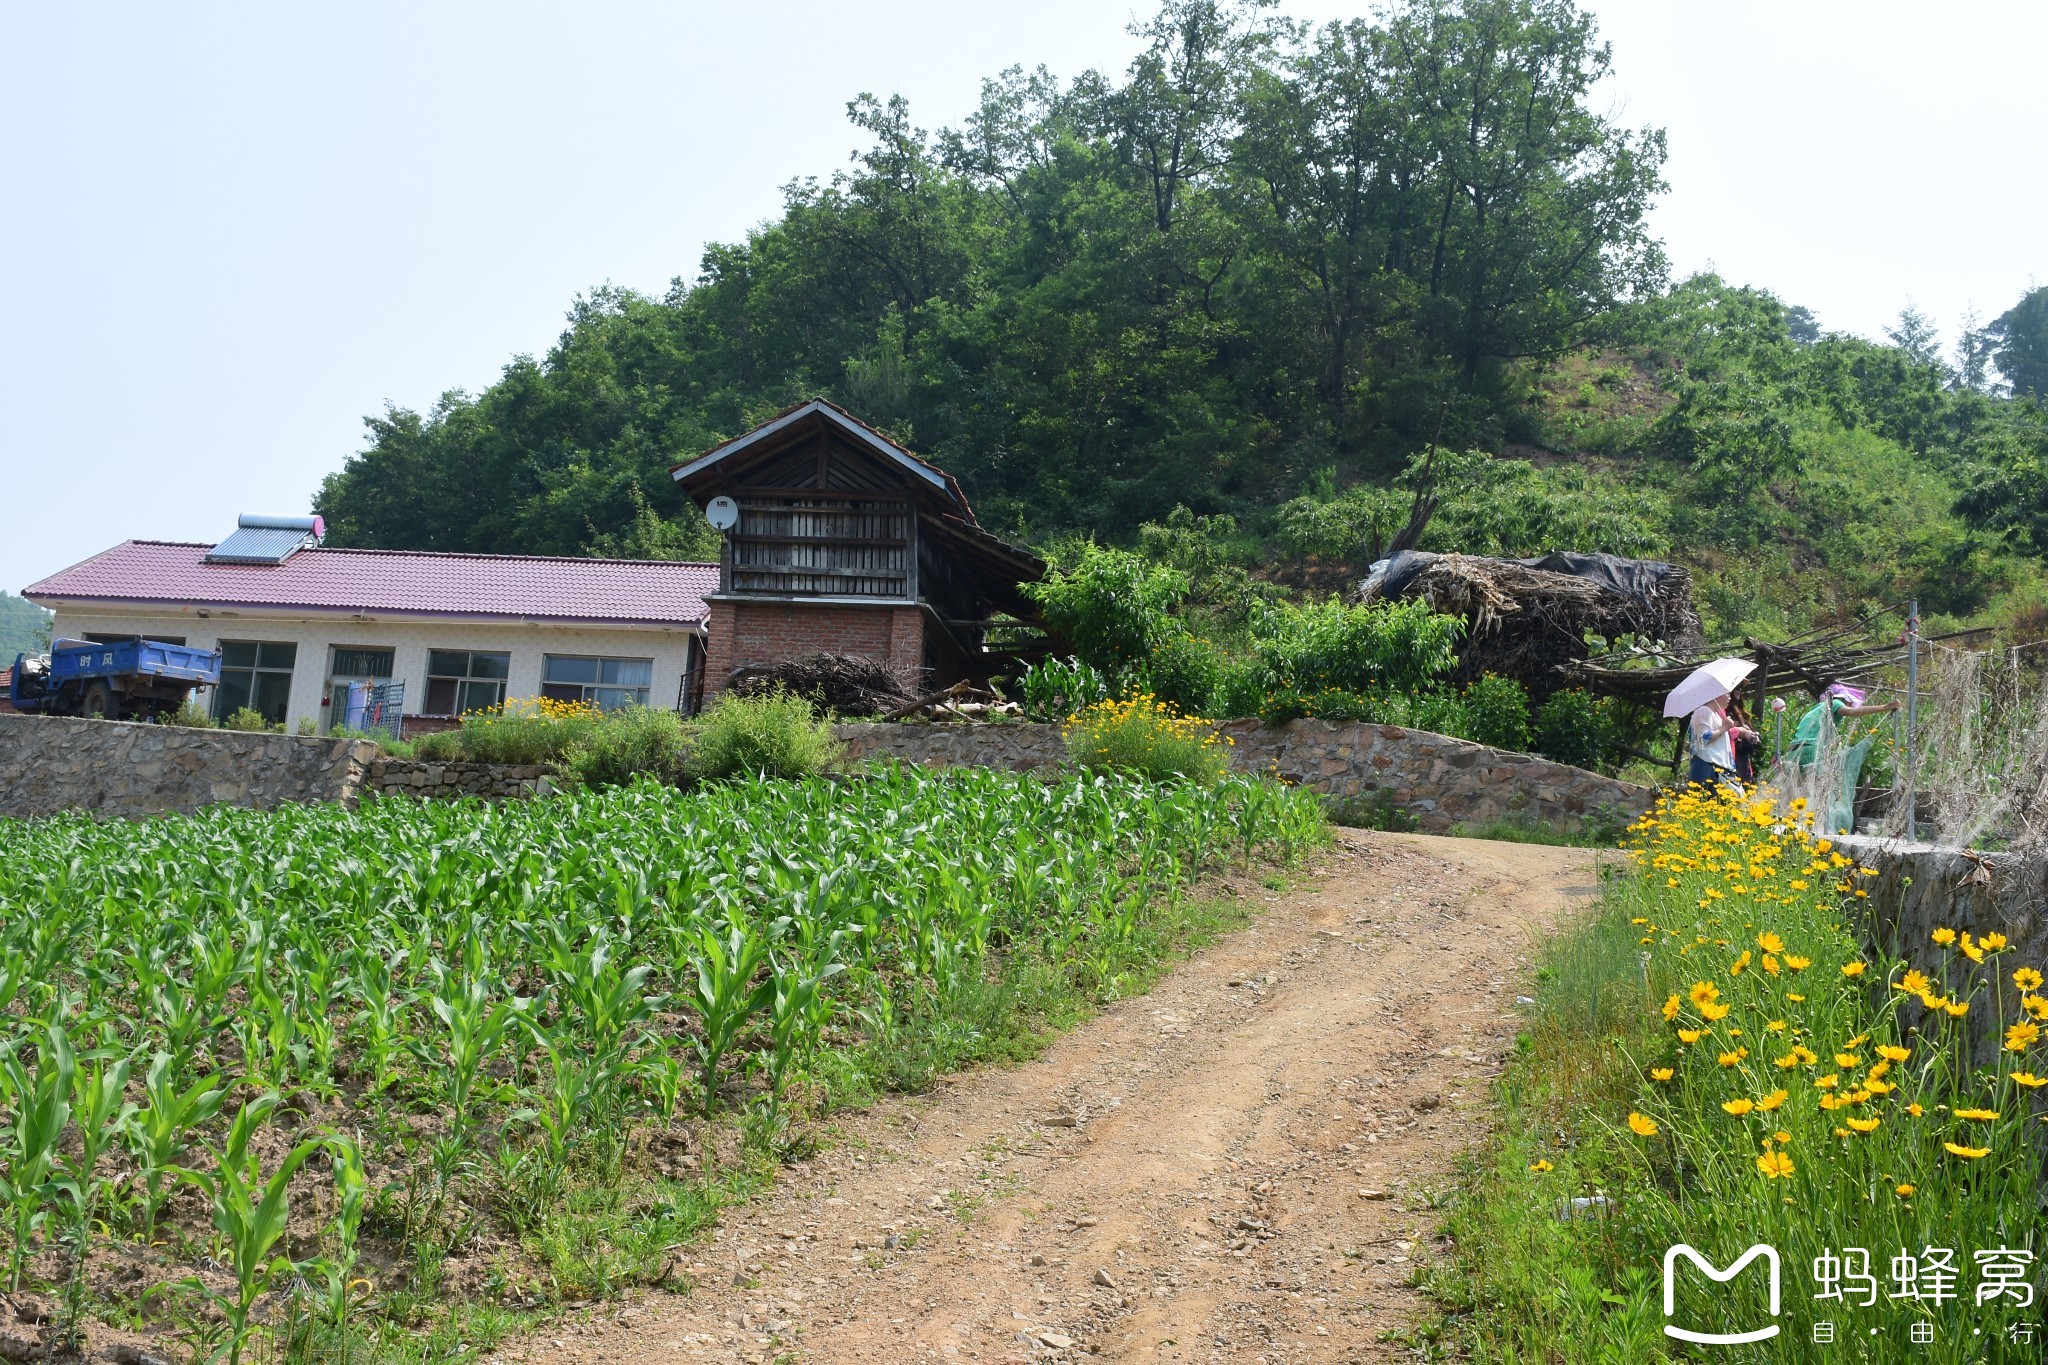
x: 447, y: 781
x: 1438, y: 781
x: 1923, y: 887
x: 58, y: 763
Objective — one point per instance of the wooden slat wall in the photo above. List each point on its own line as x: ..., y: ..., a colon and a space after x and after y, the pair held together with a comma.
x: 850, y: 547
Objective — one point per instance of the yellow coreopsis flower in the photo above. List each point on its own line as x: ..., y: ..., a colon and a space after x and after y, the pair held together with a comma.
x: 1993, y: 942
x: 1770, y: 942
x: 1794, y: 997
x: 1955, y: 1009
x: 1644, y: 1127
x: 1845, y: 1060
x: 1691, y: 1035
x: 1539, y: 1167
x: 1904, y: 1191
x: 1966, y: 1153
x: 1738, y: 1107
x: 1775, y: 1026
x: 2029, y: 1080
x: 2027, y: 979
x: 1944, y: 936
x: 1671, y: 1008
x: 1915, y: 1110
x: 1863, y: 1125
x: 1732, y: 1058
x: 1713, y: 1011
x: 1772, y: 1101
x: 1797, y: 963
x: 1827, y: 1082
x: 2022, y: 1036
x: 1852, y: 969
x: 1703, y: 993
x: 1982, y: 1115
x: 1973, y: 951
x: 1893, y: 1054
x: 1662, y: 1073
x: 1775, y: 1165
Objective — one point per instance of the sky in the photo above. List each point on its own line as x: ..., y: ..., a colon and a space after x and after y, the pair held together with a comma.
x: 230, y: 232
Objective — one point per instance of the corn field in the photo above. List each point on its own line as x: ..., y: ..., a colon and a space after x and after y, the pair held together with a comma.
x: 266, y: 1056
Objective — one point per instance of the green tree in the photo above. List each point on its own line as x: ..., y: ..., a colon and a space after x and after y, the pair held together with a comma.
x: 2020, y: 335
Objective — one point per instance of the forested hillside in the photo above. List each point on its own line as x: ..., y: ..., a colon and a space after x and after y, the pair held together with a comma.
x: 24, y: 628
x: 1253, y: 277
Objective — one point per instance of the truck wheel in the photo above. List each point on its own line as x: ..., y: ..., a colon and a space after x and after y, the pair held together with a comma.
x: 100, y: 703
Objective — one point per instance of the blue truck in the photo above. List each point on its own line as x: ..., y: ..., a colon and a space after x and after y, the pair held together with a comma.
x: 129, y: 678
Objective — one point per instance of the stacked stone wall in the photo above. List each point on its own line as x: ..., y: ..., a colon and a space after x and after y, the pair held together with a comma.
x: 1437, y: 781
x: 58, y: 763
x: 448, y: 781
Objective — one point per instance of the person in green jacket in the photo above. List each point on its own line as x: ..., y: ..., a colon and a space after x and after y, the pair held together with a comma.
x: 1838, y: 703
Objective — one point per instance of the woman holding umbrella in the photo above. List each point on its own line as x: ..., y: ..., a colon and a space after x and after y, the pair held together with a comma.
x: 1703, y: 696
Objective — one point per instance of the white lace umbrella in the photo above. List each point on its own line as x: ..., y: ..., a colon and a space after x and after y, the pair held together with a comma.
x: 1705, y: 683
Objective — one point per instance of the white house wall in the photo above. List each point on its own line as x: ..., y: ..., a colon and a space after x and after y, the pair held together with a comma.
x: 408, y: 639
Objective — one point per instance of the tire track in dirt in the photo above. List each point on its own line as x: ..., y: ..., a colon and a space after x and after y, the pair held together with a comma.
x: 1235, y: 1167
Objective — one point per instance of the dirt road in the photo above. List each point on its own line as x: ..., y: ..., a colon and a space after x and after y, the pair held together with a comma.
x: 1235, y: 1167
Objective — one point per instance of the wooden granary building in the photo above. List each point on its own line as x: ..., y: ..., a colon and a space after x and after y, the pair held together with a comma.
x: 838, y: 540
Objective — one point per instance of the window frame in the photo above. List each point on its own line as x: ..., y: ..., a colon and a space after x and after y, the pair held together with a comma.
x: 255, y: 671
x: 463, y: 682
x: 588, y: 692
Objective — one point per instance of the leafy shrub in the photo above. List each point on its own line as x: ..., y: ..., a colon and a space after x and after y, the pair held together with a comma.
x: 189, y: 713
x: 1442, y: 713
x: 531, y: 731
x: 1575, y: 727
x: 1499, y: 713
x: 625, y: 744
x: 1354, y: 526
x: 1380, y: 649
x: 1054, y: 689
x: 1184, y: 672
x: 440, y: 746
x: 248, y: 718
x: 1149, y: 737
x: 773, y: 734
x: 1113, y: 606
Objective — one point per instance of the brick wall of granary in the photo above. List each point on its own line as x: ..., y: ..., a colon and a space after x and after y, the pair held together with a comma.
x: 745, y: 633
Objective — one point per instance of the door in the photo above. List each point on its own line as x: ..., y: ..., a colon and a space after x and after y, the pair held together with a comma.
x: 350, y: 664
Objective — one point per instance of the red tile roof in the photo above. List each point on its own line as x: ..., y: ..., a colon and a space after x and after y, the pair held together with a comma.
x: 408, y: 582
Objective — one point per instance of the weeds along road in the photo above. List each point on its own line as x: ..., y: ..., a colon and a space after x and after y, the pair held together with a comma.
x: 1235, y: 1167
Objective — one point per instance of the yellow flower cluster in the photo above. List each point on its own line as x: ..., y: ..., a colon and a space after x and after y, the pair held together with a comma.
x: 1145, y: 709
x: 1768, y: 958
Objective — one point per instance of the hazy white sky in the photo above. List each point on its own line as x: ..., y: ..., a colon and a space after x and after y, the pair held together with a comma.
x: 230, y: 232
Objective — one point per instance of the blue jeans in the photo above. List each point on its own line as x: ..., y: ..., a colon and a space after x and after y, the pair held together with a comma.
x: 1705, y: 774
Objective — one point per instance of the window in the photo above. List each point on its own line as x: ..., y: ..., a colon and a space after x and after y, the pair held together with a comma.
x: 605, y: 683
x: 256, y: 674
x: 461, y: 680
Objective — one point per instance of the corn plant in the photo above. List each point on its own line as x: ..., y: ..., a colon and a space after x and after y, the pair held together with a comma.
x: 250, y: 1213
x: 727, y: 996
x: 42, y: 1109
x: 102, y: 1115
x: 158, y: 1131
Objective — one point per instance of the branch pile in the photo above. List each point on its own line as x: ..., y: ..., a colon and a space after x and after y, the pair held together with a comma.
x: 847, y: 684
x: 1529, y: 619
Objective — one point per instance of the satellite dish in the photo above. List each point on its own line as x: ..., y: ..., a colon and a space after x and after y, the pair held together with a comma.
x: 722, y: 512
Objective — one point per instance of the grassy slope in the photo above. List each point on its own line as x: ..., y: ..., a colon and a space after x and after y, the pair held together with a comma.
x: 1865, y: 522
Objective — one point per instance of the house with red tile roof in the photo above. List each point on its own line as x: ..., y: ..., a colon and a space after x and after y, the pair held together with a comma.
x: 297, y: 622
